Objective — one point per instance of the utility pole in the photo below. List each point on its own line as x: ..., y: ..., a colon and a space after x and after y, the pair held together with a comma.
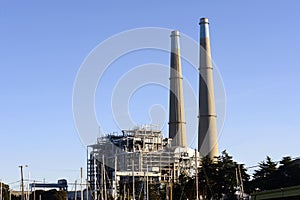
x: 22, y: 181
x: 102, y: 181
x: 81, y: 191
x: 34, y: 190
x: 28, y: 183
x: 147, y: 184
x: 171, y: 191
x: 144, y: 186
x: 196, y: 164
x: 116, y: 183
x: 1, y: 189
x: 87, y: 189
x: 75, y: 194
x: 104, y: 178
x: 133, y: 189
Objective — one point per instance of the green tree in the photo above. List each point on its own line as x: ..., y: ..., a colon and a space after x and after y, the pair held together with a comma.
x: 14, y: 197
x: 264, y: 178
x: 226, y: 179
x: 289, y: 172
x: 271, y: 176
x: 50, y: 194
x: 5, y: 191
x: 207, y: 177
x: 156, y: 192
x: 218, y: 179
x: 185, y: 188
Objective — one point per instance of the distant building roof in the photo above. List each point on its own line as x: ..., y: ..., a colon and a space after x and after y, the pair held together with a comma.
x: 288, y: 193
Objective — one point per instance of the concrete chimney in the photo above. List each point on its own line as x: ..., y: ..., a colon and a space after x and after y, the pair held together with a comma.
x: 177, y: 129
x: 207, y: 127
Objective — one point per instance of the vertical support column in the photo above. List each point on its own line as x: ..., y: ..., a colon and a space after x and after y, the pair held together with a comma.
x: 147, y: 183
x: 133, y: 185
x: 116, y: 181
x: 196, y: 164
x: 87, y: 189
x: 104, y: 177
x: 81, y: 182
x: 95, y: 177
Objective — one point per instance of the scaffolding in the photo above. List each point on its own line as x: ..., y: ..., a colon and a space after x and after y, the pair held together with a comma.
x: 140, y: 156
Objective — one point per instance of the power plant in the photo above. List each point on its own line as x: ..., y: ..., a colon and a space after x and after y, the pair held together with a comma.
x: 121, y: 166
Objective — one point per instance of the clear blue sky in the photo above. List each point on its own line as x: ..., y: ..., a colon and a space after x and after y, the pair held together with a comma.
x: 255, y: 44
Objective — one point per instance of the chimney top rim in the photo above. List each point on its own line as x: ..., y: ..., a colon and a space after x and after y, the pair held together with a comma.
x: 175, y: 33
x: 204, y: 20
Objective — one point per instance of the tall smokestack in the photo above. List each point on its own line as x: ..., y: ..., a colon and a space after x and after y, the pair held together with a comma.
x: 177, y: 129
x: 207, y: 127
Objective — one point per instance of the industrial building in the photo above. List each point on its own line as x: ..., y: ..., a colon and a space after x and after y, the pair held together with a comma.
x: 120, y: 166
x: 137, y: 156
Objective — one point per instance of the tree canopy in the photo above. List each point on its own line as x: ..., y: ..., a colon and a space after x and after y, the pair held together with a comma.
x: 225, y: 178
x: 273, y: 175
x: 221, y: 178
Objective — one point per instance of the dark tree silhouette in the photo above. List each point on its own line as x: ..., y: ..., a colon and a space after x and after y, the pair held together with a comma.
x: 219, y: 179
x: 270, y: 175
